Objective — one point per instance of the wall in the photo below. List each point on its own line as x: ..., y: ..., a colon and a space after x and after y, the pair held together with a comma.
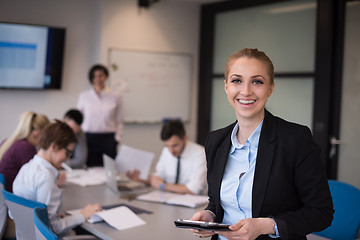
x: 162, y: 27
x: 76, y: 17
x: 93, y: 26
x: 349, y: 164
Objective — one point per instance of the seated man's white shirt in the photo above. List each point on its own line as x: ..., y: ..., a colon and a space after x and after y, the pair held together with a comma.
x: 192, y: 167
x: 37, y: 180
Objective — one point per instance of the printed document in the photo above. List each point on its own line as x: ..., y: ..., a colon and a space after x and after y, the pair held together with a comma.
x: 92, y: 176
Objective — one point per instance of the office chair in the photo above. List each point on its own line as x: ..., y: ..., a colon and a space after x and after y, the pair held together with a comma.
x: 42, y: 228
x: 3, y: 207
x: 346, y: 222
x: 21, y: 211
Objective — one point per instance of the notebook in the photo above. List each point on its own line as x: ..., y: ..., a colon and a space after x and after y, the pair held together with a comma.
x: 186, y: 200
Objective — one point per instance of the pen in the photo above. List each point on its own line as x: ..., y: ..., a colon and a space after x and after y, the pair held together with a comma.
x: 66, y: 167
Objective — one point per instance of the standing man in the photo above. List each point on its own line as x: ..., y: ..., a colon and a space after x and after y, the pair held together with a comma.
x: 74, y: 119
x: 182, y: 165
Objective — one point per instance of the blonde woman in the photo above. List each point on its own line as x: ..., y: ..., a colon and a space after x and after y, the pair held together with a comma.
x: 264, y: 174
x: 20, y: 147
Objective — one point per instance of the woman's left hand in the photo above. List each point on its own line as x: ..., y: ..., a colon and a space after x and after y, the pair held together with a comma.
x: 133, y: 175
x: 249, y: 228
x: 206, y: 216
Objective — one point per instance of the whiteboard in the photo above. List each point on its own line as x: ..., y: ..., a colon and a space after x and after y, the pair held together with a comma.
x: 153, y: 85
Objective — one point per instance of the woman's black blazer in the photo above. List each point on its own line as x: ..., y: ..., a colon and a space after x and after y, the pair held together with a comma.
x: 290, y: 183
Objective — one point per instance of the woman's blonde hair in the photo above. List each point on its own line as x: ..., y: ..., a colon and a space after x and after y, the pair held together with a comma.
x: 29, y: 121
x: 250, y: 53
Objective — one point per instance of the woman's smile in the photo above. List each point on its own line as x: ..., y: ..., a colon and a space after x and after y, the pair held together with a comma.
x: 246, y: 102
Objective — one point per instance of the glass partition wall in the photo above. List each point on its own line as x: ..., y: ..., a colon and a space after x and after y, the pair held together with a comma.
x: 304, y: 38
x: 286, y: 33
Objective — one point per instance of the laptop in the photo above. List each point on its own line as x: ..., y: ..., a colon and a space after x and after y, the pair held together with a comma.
x: 121, y: 184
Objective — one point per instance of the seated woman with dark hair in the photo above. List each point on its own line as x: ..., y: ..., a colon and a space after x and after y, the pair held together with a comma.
x: 37, y: 180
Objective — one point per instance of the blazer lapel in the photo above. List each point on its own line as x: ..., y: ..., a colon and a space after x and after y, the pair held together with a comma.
x: 265, y: 155
x: 221, y: 159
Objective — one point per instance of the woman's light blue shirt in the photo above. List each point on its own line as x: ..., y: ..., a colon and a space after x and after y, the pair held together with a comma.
x: 237, y: 183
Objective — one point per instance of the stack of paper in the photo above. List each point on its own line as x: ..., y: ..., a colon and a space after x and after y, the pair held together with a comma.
x: 186, y: 200
x: 92, y: 176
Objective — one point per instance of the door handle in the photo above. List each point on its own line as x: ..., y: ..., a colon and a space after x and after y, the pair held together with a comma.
x: 334, y: 142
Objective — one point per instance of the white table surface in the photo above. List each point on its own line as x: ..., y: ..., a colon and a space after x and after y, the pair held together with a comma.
x: 159, y: 225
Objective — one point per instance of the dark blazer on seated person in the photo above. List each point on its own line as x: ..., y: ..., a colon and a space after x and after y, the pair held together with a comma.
x: 290, y: 182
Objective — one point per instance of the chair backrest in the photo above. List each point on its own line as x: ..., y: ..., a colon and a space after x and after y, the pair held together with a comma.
x: 42, y: 228
x: 3, y: 207
x: 21, y: 210
x: 346, y: 222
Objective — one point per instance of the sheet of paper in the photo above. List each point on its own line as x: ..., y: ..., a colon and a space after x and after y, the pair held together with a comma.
x: 92, y: 176
x: 129, y: 159
x: 121, y: 218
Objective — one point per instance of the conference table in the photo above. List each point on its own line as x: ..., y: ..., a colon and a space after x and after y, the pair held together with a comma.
x: 159, y: 224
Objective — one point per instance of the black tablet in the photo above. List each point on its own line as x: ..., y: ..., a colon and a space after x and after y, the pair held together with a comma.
x: 200, y: 225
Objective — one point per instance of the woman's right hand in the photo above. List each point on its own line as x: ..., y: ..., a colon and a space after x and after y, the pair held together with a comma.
x: 90, y: 209
x: 205, y: 216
